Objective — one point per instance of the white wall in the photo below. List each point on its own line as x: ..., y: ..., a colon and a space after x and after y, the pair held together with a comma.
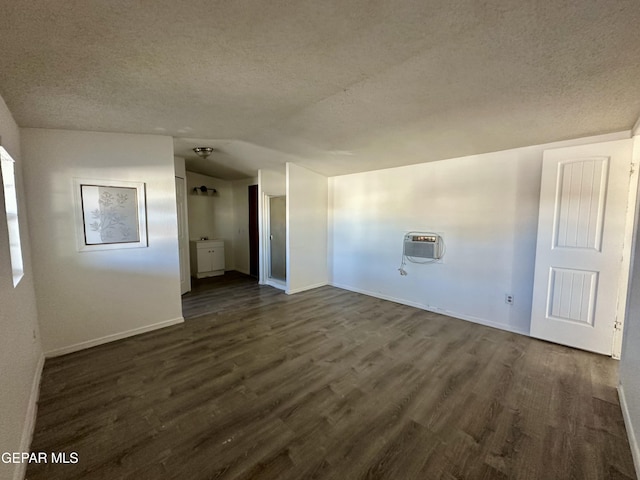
x: 629, y: 387
x: 92, y: 297
x: 484, y: 206
x: 211, y: 215
x: 241, y: 223
x: 20, y: 349
x: 272, y: 182
x: 307, y: 209
x: 179, y: 167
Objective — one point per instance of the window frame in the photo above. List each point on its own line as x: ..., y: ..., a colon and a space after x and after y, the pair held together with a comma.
x: 10, y: 190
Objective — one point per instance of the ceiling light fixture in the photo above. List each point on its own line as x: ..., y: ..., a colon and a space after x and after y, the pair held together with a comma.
x: 204, y: 189
x: 203, y: 152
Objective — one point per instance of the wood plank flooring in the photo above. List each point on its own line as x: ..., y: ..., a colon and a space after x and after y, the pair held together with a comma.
x: 328, y: 384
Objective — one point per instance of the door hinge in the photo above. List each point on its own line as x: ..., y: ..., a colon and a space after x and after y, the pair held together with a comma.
x: 617, y: 325
x: 632, y: 170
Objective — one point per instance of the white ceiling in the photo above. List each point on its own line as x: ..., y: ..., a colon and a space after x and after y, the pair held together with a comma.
x: 338, y: 85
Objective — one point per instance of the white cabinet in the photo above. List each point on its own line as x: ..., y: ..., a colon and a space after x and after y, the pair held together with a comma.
x: 207, y: 258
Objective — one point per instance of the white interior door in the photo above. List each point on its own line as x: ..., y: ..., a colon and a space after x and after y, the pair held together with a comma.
x: 183, y: 234
x: 583, y: 199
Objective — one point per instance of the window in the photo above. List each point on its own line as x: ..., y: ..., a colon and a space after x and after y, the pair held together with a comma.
x: 11, y: 207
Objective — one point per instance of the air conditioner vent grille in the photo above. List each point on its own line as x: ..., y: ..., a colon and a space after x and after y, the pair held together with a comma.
x: 424, y: 245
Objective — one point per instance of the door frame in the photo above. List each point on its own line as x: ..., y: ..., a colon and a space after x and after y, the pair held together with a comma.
x: 265, y: 248
x: 627, y: 251
x: 183, y: 217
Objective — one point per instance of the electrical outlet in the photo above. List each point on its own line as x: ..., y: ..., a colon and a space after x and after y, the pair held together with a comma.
x: 508, y: 299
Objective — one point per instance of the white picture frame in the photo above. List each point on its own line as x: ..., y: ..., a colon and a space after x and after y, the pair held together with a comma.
x: 110, y: 214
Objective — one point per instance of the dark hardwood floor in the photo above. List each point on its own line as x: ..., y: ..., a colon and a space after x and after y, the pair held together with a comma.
x: 220, y: 294
x: 328, y: 384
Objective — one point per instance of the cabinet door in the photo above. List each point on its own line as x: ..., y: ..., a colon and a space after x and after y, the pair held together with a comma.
x: 204, y: 260
x: 217, y: 258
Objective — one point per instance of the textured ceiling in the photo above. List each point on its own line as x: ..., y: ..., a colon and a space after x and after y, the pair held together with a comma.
x: 340, y: 85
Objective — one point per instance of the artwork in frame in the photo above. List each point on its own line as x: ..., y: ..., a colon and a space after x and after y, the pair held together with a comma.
x: 110, y: 214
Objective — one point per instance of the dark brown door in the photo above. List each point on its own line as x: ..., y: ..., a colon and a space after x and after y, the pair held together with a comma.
x: 253, y: 230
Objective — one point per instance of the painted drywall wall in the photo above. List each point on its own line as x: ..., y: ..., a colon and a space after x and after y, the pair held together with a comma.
x: 180, y: 167
x: 20, y: 349
x: 87, y: 298
x: 307, y: 229
x: 271, y: 182
x: 629, y: 387
x: 241, y: 223
x: 211, y: 214
x: 484, y: 206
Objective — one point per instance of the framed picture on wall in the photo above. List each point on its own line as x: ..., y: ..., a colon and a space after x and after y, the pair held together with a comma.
x: 110, y: 214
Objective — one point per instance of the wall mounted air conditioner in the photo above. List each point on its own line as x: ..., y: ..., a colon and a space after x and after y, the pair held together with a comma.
x: 423, y: 245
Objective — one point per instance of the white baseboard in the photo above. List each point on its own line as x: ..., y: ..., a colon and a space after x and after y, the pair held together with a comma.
x: 29, y: 424
x: 431, y: 308
x: 111, y: 338
x: 304, y: 289
x: 633, y: 440
x: 276, y: 284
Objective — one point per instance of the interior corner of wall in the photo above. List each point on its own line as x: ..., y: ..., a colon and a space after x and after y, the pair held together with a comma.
x: 636, y: 128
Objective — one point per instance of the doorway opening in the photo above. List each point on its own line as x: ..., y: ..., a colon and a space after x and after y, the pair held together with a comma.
x: 273, y: 263
x: 278, y: 238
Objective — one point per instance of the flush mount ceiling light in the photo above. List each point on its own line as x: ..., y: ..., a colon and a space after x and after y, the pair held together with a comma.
x: 204, y: 189
x: 203, y: 152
